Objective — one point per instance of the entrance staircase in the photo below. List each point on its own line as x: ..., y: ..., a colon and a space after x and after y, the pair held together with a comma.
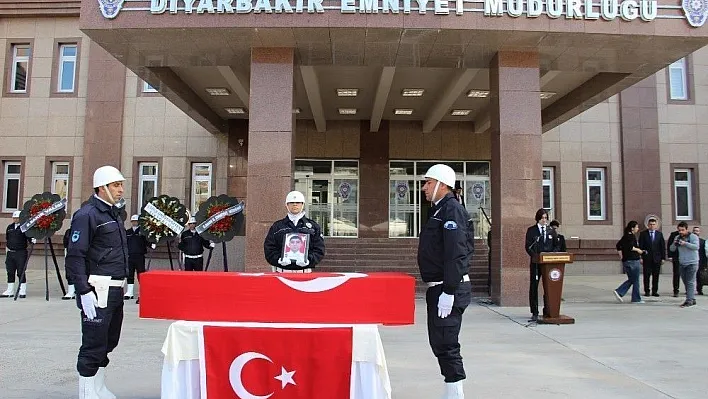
x: 366, y: 255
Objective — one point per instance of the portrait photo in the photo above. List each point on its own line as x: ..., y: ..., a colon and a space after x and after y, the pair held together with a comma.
x: 295, y: 246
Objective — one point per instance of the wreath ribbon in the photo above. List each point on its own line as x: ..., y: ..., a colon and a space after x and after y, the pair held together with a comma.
x: 55, y: 207
x: 163, y: 218
x: 205, y: 225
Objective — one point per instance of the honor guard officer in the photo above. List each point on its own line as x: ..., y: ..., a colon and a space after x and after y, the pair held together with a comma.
x: 444, y: 250
x: 137, y: 248
x: 294, y: 222
x: 97, y: 261
x: 16, y: 257
x: 192, y: 244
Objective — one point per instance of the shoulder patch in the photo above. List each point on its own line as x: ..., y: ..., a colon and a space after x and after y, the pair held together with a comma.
x: 450, y: 225
x: 75, y: 236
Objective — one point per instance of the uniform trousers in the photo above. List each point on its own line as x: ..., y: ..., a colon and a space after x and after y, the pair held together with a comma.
x: 194, y: 264
x: 443, y: 334
x: 100, y: 336
x: 15, y: 265
x: 136, y: 263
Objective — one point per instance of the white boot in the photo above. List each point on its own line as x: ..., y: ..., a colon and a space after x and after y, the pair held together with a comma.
x: 23, y: 290
x: 453, y: 390
x: 9, y: 292
x: 103, y: 392
x: 87, y: 388
x: 129, y: 292
x: 71, y: 293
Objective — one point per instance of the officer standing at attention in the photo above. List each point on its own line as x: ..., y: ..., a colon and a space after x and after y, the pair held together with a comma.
x: 444, y: 250
x: 71, y: 293
x: 137, y: 248
x: 16, y: 257
x: 192, y: 244
x: 97, y: 261
x: 294, y: 222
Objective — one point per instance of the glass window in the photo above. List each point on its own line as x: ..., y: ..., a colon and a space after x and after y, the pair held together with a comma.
x: 147, y: 184
x: 331, y: 189
x: 201, y: 184
x: 67, y: 68
x: 60, y: 179
x: 547, y: 183
x: 683, y: 194
x: 20, y: 68
x: 11, y: 194
x: 595, y: 193
x: 147, y: 88
x: 678, y: 87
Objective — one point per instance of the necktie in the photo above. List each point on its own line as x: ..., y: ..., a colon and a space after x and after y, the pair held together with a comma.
x: 652, y: 236
x: 543, y: 233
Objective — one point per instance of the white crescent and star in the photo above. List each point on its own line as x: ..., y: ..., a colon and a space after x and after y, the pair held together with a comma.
x: 285, y: 377
x: 320, y: 284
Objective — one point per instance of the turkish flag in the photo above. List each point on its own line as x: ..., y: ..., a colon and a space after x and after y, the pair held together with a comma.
x: 276, y: 363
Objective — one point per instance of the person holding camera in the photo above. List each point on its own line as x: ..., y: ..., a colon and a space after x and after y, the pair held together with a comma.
x: 628, y: 248
x: 686, y: 245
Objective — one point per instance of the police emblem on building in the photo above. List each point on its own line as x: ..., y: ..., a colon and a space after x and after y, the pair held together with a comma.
x: 696, y: 11
x: 110, y: 8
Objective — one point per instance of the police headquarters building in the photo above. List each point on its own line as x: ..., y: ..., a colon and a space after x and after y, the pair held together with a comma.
x: 594, y: 109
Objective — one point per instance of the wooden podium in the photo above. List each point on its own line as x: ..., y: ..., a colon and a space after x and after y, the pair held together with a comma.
x: 553, y: 270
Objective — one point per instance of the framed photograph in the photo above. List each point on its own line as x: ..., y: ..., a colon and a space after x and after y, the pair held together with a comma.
x: 295, y: 246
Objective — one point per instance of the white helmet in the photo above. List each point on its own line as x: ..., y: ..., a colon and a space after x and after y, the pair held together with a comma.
x: 134, y: 218
x: 106, y: 175
x: 16, y: 214
x: 192, y: 220
x: 294, y: 196
x: 442, y: 173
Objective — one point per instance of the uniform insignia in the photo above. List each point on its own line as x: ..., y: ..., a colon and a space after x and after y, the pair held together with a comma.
x: 75, y: 236
x: 450, y: 225
x: 309, y: 225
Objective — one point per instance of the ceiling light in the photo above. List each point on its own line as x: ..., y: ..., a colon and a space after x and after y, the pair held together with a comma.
x: 403, y: 111
x: 347, y: 92
x: 460, y: 112
x: 218, y: 91
x: 235, y: 110
x: 545, y: 95
x: 347, y: 111
x: 478, y: 93
x: 297, y: 111
x: 412, y: 92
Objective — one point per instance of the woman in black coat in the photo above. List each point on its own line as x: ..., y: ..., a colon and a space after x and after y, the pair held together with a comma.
x: 628, y: 247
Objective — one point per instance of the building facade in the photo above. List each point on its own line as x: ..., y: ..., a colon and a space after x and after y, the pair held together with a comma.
x: 599, y: 120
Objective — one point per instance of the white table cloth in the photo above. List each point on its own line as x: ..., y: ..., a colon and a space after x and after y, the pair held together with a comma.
x: 181, y: 367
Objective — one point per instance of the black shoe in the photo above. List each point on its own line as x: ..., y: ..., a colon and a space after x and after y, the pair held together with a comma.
x: 128, y: 297
x: 675, y: 294
x: 646, y: 293
x: 655, y: 294
x: 23, y: 296
x: 687, y: 304
x: 137, y: 302
x: 694, y: 301
x: 534, y: 318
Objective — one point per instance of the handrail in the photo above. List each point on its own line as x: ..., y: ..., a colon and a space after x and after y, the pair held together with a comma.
x: 485, y: 215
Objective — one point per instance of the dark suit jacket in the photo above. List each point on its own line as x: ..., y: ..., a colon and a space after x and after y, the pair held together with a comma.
x: 669, y: 253
x: 534, y: 247
x: 561, y: 244
x: 656, y: 249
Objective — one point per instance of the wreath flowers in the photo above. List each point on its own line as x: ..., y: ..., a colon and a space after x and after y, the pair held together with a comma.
x: 50, y: 221
x: 162, y: 218
x: 220, y: 218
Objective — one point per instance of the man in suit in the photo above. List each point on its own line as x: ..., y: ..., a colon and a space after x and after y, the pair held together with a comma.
x: 651, y: 241
x: 539, y: 238
x: 674, y: 256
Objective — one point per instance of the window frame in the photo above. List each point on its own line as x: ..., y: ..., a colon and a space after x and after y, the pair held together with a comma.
x: 49, y: 176
x: 693, y: 192
x: 10, y: 67
x: 136, y: 206
x: 606, y: 192
x: 687, y: 82
x: 555, y: 212
x: 142, y: 178
x: 54, y: 90
x: 212, y: 173
x: 60, y: 70
x: 3, y: 184
x: 56, y: 176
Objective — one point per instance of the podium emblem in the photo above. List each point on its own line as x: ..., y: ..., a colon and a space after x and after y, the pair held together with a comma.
x: 555, y: 275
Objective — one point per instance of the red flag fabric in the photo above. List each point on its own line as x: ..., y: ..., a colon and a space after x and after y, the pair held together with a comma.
x: 276, y: 363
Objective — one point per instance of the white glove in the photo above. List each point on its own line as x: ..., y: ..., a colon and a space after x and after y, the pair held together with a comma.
x: 284, y: 262
x: 153, y: 246
x: 88, y: 304
x: 445, y: 305
x: 211, y: 244
x: 34, y: 241
x: 302, y: 263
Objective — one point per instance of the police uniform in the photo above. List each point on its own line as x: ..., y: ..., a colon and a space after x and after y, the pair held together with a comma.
x: 444, y: 251
x: 273, y: 245
x: 71, y: 294
x: 137, y: 248
x: 15, y: 260
x: 192, y: 244
x: 98, y: 247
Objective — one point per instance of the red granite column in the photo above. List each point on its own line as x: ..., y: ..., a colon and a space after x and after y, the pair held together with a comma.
x: 103, y: 126
x: 270, y: 147
x: 516, y: 170
x: 373, y: 182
